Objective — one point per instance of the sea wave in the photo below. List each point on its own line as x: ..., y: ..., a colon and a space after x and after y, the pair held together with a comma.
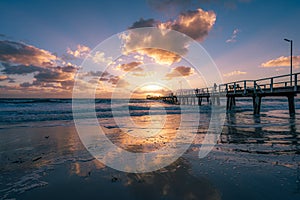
x: 31, y: 110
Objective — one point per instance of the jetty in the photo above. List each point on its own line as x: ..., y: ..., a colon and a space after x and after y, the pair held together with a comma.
x: 277, y: 86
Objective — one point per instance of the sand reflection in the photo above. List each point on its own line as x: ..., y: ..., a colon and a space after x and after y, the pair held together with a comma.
x: 157, y: 139
x: 172, y: 182
x: 261, y: 134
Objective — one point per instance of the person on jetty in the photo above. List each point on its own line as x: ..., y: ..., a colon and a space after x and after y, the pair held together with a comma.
x: 215, y: 87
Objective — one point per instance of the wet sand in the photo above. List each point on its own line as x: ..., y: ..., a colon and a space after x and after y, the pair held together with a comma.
x: 49, y: 162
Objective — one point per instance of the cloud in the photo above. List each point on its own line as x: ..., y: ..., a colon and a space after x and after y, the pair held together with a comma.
x: 57, y: 74
x: 195, y: 24
x: 116, y: 81
x: 44, y: 74
x: 47, y: 78
x: 97, y: 73
x: 55, y: 77
x: 99, y: 57
x: 141, y: 42
x: 23, y: 54
x: 234, y: 73
x: 161, y: 56
x: 130, y: 67
x: 81, y: 52
x: 138, y: 57
x: 233, y: 37
x: 180, y: 72
x: 144, y: 23
x: 139, y: 74
x: 3, y: 77
x: 20, y: 69
x: 25, y: 84
x: 282, y: 61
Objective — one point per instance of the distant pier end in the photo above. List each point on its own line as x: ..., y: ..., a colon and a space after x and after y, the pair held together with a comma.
x: 284, y: 85
x: 170, y: 98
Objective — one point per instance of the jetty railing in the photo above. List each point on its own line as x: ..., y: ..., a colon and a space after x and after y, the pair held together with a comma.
x: 281, y: 82
x: 284, y: 85
x: 237, y: 87
x: 194, y: 92
x: 263, y: 85
x: 248, y: 86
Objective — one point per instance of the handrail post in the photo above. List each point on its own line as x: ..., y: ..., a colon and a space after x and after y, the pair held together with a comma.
x: 295, y: 82
x: 271, y: 85
x: 245, y: 85
x: 254, y: 87
x: 226, y: 88
x: 234, y: 87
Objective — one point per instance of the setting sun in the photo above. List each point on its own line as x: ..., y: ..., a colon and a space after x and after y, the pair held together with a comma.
x: 152, y: 88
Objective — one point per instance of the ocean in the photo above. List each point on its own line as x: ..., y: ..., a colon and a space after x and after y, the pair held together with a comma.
x: 16, y: 111
x: 38, y: 139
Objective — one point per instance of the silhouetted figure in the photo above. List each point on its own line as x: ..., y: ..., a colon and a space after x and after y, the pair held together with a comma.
x: 215, y: 87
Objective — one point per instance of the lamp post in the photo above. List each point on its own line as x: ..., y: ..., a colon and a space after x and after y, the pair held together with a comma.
x: 291, y: 71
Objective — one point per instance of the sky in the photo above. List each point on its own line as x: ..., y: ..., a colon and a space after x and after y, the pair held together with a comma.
x: 45, y: 45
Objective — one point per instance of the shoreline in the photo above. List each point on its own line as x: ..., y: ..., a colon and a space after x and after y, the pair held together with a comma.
x: 59, y: 166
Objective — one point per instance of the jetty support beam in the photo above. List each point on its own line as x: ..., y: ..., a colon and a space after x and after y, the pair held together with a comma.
x: 291, y: 101
x: 256, y: 104
x: 230, y: 103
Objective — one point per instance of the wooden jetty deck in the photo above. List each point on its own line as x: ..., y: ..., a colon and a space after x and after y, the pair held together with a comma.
x: 284, y: 85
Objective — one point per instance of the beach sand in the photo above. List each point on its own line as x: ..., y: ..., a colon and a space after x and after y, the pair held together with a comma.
x: 49, y: 162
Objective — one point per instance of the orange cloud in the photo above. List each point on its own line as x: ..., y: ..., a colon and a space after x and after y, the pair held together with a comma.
x: 235, y: 73
x: 48, y: 78
x: 153, y: 45
x: 161, y: 56
x: 130, y: 67
x: 282, y: 61
x: 57, y: 74
x: 3, y: 77
x: 195, y: 24
x: 21, y: 53
x: 164, y: 46
x: 180, y: 71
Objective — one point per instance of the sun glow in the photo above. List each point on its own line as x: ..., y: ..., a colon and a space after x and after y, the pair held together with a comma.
x: 152, y: 88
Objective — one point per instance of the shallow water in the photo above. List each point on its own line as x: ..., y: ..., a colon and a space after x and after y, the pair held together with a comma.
x: 41, y: 155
